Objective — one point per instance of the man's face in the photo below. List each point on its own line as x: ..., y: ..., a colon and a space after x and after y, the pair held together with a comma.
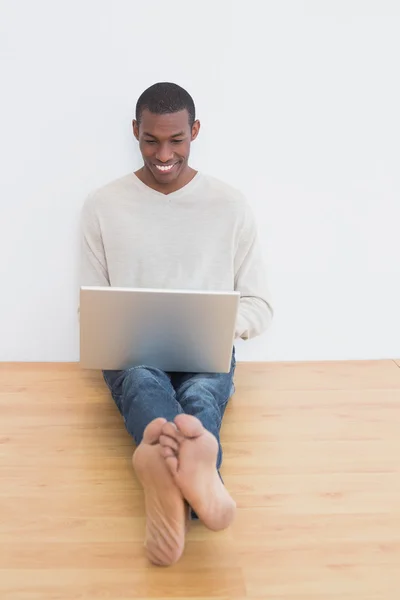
x: 164, y: 142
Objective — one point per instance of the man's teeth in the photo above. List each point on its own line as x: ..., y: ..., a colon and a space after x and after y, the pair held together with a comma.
x: 164, y: 168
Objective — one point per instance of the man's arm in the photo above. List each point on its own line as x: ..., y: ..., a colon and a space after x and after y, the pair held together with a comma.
x: 255, y: 310
x: 93, y: 270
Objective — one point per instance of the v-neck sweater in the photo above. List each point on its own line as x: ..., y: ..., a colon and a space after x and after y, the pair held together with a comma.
x: 200, y: 237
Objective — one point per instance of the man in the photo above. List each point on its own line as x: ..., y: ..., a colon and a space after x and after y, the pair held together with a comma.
x: 169, y: 226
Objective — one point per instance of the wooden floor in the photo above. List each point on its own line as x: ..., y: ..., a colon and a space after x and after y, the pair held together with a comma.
x: 312, y: 457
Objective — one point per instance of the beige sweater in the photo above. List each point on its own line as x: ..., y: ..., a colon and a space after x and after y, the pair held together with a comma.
x: 201, y: 237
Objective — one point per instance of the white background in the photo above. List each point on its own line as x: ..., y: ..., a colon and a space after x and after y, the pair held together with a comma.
x: 299, y: 105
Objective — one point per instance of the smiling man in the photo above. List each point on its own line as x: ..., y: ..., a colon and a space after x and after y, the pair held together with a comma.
x: 169, y: 226
x: 164, y: 140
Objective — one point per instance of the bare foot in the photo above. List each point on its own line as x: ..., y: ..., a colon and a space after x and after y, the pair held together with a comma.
x: 190, y: 452
x: 166, y: 512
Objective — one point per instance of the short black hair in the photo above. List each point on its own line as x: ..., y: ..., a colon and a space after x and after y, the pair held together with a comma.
x: 165, y: 98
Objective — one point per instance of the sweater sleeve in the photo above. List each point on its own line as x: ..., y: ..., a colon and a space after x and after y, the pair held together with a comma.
x: 255, y: 310
x: 93, y: 267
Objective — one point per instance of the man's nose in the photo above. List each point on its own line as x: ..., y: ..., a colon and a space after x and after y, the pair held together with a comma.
x: 164, y: 153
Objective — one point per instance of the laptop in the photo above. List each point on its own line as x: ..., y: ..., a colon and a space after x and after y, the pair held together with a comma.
x: 172, y: 330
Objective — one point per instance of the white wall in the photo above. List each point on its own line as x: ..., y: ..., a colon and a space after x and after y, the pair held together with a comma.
x: 299, y: 103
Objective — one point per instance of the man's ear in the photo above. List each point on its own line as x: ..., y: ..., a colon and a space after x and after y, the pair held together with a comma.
x: 195, y: 129
x: 135, y: 127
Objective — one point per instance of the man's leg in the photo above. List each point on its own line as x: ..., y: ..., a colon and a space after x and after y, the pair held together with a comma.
x: 192, y: 448
x: 142, y: 394
x: 146, y: 399
x: 205, y: 396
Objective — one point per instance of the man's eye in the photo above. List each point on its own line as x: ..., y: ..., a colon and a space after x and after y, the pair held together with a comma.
x: 177, y: 141
x: 150, y: 141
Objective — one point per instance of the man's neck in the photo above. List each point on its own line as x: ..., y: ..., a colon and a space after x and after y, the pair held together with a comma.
x: 184, y: 178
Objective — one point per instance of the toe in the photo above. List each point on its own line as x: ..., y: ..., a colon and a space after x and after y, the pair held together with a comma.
x: 189, y: 426
x: 171, y: 459
x: 167, y: 452
x: 167, y: 441
x: 153, y: 430
x: 171, y: 430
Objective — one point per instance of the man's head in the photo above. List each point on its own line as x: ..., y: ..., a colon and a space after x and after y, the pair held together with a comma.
x: 165, y: 126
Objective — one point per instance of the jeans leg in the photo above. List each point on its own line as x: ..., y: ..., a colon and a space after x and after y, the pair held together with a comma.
x: 142, y: 394
x: 205, y: 396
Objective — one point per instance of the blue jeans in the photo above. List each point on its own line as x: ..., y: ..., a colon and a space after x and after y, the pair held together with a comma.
x: 144, y: 393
